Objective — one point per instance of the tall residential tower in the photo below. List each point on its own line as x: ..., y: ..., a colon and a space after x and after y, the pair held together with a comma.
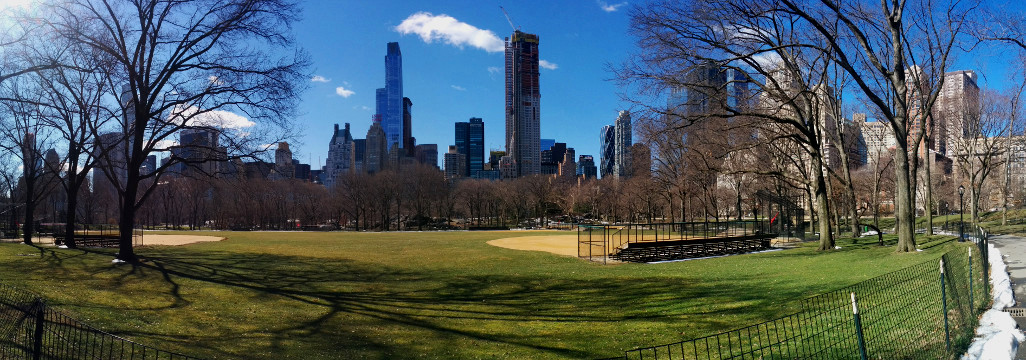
x: 392, y: 115
x: 523, y: 117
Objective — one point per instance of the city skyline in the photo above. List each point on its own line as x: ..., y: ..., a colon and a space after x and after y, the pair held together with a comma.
x: 455, y: 75
x: 453, y: 82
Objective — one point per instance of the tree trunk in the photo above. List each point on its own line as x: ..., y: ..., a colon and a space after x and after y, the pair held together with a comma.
x: 929, y: 193
x: 826, y: 238
x: 69, y: 217
x: 904, y: 210
x: 30, y: 209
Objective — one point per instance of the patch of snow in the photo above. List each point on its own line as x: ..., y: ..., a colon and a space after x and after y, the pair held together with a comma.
x: 997, y: 336
x: 62, y: 247
x: 837, y: 248
x: 118, y: 261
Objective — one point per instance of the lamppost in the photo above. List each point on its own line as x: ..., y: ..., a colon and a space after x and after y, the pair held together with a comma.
x: 961, y: 205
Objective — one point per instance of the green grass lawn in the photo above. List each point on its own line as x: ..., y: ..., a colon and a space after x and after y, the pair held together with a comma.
x: 437, y: 295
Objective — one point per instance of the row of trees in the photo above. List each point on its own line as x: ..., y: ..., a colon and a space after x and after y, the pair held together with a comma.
x: 108, y: 83
x: 802, y: 60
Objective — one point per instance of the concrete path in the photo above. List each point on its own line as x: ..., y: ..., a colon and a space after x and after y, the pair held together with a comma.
x: 1013, y: 249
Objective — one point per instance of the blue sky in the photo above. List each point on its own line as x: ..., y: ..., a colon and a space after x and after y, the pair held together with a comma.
x: 452, y: 82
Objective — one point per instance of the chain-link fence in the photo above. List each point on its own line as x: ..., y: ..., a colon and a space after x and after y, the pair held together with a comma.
x: 926, y: 311
x: 30, y: 329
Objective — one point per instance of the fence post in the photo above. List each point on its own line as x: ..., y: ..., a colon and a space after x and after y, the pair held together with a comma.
x: 37, y: 338
x: 944, y: 302
x: 972, y: 309
x: 858, y: 326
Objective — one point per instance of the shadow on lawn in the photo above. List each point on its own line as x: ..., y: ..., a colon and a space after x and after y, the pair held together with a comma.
x: 350, y: 309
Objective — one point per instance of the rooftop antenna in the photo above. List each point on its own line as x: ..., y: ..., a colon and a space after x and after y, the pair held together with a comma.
x: 515, y: 28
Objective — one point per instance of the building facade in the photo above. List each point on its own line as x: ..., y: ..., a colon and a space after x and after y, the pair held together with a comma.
x: 622, y: 147
x: 523, y: 109
x: 340, y: 155
x: 607, y: 151
x: 392, y: 117
x: 470, y: 143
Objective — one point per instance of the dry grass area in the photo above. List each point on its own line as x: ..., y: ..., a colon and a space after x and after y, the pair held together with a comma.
x: 556, y: 244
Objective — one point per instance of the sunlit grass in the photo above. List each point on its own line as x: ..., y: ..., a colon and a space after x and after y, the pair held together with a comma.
x: 433, y: 295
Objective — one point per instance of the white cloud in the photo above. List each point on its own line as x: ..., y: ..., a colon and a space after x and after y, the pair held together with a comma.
x: 494, y: 70
x: 459, y: 88
x: 192, y: 116
x: 343, y: 92
x: 453, y: 32
x: 214, y: 80
x: 547, y: 65
x: 361, y: 107
x: 768, y: 60
x: 320, y: 79
x: 610, y: 8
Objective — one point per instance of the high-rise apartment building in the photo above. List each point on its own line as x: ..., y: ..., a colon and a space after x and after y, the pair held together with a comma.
x: 470, y: 142
x: 427, y: 154
x: 455, y: 163
x: 284, y: 165
x: 409, y: 142
x: 607, y: 150
x: 377, y: 150
x: 956, y: 104
x: 523, y: 109
x: 340, y: 155
x: 622, y: 148
x: 586, y: 166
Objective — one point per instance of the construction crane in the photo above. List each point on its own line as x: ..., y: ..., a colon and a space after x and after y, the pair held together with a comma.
x: 515, y: 28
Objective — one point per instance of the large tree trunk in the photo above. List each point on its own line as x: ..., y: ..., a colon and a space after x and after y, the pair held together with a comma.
x: 904, y: 206
x: 826, y: 237
x: 70, y: 215
x: 929, y: 193
x: 30, y: 209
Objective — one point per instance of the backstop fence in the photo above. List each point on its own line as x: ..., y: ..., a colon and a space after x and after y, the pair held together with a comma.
x: 30, y: 329
x: 926, y: 311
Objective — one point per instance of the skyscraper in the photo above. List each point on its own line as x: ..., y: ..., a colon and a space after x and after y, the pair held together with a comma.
x: 958, y: 101
x: 284, y: 167
x: 523, y: 117
x: 340, y: 154
x: 455, y: 164
x: 622, y: 148
x: 392, y: 117
x: 427, y: 154
x: 409, y: 143
x: 376, y: 151
x: 607, y: 150
x: 586, y: 166
x: 470, y: 142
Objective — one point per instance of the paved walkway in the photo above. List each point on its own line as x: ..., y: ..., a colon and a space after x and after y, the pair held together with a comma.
x: 1013, y: 249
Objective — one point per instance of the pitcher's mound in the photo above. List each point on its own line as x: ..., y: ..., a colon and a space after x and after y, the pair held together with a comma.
x: 154, y: 239
x: 558, y: 244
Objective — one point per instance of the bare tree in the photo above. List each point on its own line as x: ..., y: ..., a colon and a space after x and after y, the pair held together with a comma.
x: 188, y: 64
x: 977, y: 153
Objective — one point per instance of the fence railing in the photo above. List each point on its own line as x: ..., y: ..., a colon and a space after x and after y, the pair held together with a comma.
x: 926, y: 311
x: 30, y: 329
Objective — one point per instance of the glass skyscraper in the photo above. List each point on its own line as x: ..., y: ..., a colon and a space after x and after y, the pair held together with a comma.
x: 470, y: 142
x: 607, y: 150
x: 392, y: 115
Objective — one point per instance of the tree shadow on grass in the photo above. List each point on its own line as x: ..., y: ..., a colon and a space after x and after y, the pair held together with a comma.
x: 305, y: 307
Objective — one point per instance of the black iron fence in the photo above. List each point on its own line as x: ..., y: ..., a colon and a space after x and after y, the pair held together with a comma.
x: 30, y: 329
x: 599, y: 242
x: 926, y: 311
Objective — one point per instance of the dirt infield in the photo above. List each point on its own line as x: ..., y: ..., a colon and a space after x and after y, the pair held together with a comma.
x: 175, y: 240
x: 558, y: 244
